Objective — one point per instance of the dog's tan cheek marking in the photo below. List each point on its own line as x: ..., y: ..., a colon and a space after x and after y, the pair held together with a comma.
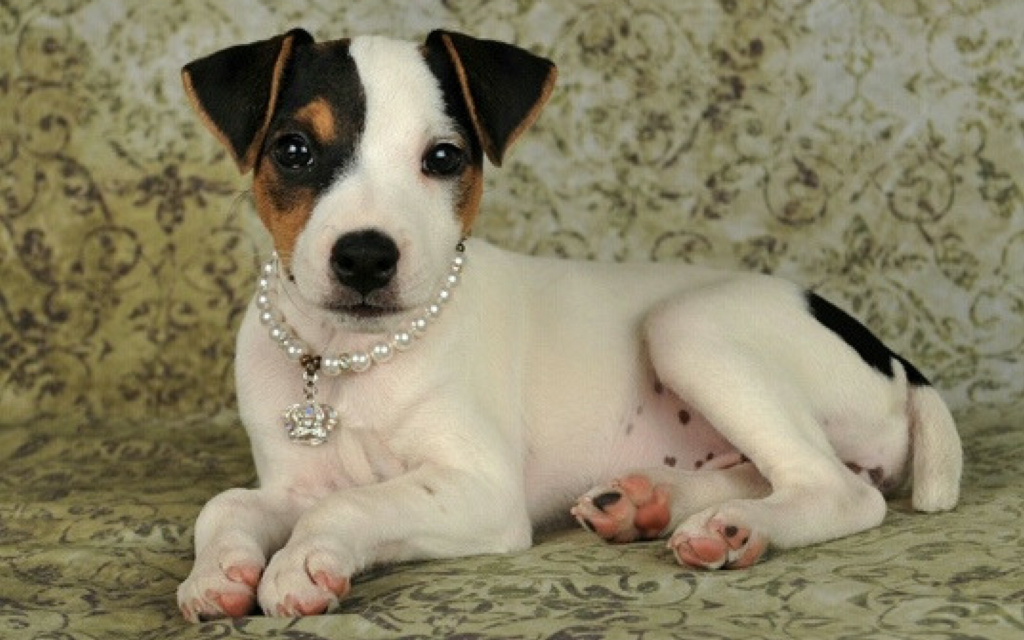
x: 284, y: 210
x: 319, y: 117
x: 470, y: 190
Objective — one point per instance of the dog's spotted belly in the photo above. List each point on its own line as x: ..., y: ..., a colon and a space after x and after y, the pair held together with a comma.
x: 661, y: 429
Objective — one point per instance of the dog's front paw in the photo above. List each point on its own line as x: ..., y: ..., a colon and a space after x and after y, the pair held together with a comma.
x: 631, y: 508
x: 223, y: 581
x: 307, y: 577
x: 717, y: 541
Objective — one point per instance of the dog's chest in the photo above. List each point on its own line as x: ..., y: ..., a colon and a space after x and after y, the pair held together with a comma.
x: 350, y: 457
x: 364, y: 457
x: 362, y: 448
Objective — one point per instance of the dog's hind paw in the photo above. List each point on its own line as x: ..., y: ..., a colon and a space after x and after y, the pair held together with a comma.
x: 717, y: 545
x: 630, y: 508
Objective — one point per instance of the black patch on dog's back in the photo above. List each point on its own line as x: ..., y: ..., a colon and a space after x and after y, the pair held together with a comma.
x: 872, y: 350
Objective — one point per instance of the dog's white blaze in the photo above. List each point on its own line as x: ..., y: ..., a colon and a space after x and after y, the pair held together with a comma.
x: 385, y: 188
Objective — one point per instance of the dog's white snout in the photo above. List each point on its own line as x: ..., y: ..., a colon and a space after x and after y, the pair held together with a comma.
x: 365, y: 260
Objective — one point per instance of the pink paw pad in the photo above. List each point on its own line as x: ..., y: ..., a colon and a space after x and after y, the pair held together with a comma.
x: 722, y: 547
x: 339, y: 586
x: 226, y: 601
x: 631, y: 508
x: 234, y: 605
x: 248, y: 575
x: 292, y: 606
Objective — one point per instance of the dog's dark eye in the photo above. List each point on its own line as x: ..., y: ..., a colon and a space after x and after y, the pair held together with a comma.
x: 443, y: 160
x: 292, y: 151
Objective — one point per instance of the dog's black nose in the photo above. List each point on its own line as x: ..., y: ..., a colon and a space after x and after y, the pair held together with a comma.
x: 364, y: 260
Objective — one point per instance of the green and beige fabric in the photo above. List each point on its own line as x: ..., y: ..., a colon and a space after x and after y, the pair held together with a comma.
x: 871, y: 150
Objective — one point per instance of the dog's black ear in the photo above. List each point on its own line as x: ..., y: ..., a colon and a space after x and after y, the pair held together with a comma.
x: 235, y: 91
x: 503, y: 87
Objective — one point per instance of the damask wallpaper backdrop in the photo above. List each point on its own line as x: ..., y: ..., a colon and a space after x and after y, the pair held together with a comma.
x: 873, y: 150
x: 869, y: 149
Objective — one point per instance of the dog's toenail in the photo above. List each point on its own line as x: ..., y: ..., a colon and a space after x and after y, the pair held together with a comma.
x: 730, y: 531
x: 588, y: 525
x: 607, y: 499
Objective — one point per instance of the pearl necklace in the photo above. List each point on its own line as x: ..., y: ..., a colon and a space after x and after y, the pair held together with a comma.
x: 310, y: 422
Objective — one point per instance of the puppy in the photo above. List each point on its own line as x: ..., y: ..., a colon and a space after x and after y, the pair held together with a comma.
x: 411, y: 393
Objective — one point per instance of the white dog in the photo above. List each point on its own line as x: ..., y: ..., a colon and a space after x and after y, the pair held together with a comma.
x: 457, y: 395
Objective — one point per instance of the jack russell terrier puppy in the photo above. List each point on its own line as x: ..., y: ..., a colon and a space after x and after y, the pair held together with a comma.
x: 410, y: 393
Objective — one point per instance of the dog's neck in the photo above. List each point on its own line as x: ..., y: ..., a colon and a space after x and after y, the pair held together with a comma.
x: 320, y: 347
x: 321, y: 343
x: 321, y: 329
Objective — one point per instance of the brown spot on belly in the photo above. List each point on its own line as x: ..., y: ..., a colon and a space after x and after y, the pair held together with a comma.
x: 284, y: 210
x: 684, y: 416
x: 319, y: 117
x: 670, y: 461
x: 877, y: 476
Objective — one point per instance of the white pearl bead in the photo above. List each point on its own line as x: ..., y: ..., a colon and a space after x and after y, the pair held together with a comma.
x: 330, y: 366
x: 360, y: 362
x: 452, y: 280
x: 457, y: 263
x: 444, y: 295
x: 294, y: 350
x: 269, y: 269
x: 402, y: 341
x: 263, y: 301
x: 263, y: 284
x: 433, y: 311
x: 279, y: 334
x: 270, y: 318
x: 381, y: 352
x: 418, y: 326
x: 345, y: 361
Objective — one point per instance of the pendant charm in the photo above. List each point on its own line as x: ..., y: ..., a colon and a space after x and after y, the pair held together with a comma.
x: 310, y: 422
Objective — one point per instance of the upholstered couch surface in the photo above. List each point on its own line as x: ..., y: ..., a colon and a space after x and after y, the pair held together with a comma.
x: 871, y: 150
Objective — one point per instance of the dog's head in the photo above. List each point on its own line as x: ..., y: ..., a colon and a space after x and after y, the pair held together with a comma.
x: 368, y: 153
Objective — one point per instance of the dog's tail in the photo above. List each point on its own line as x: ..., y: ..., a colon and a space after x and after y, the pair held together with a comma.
x: 936, y: 451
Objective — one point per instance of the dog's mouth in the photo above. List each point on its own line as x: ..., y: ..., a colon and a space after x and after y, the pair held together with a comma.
x: 365, y: 310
